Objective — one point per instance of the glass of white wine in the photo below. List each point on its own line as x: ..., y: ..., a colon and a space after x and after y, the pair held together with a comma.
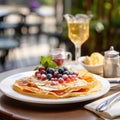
x: 78, y: 30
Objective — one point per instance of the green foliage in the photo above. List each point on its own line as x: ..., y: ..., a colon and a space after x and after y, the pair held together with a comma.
x: 65, y: 30
x: 47, y: 1
x: 104, y: 27
x: 47, y: 62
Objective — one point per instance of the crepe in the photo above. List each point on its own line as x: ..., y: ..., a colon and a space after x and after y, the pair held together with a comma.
x: 84, y: 85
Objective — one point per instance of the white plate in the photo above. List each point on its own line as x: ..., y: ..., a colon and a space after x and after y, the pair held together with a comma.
x: 6, y: 88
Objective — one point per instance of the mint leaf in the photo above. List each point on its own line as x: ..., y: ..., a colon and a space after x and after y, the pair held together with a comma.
x: 52, y: 64
x: 47, y: 62
x: 36, y: 68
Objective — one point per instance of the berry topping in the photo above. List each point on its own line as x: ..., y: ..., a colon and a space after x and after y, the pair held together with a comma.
x: 61, y: 70
x: 61, y: 80
x: 43, y: 77
x: 50, y: 70
x: 38, y: 75
x: 42, y: 68
x: 56, y: 73
x: 49, y: 76
x: 66, y: 72
x: 42, y: 71
x: 60, y: 75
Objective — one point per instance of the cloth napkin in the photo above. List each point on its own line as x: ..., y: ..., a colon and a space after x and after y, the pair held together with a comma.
x: 112, y: 113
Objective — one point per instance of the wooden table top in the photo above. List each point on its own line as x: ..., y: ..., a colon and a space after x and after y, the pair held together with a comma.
x: 11, y: 109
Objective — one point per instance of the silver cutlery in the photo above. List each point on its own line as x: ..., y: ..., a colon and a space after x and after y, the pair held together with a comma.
x: 117, y: 86
x: 114, y: 80
x: 107, y: 103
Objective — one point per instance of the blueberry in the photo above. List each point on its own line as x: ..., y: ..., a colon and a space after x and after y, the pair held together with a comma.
x: 71, y: 73
x: 61, y: 70
x: 56, y: 70
x: 60, y: 75
x: 49, y: 76
x: 65, y: 68
x: 50, y: 70
x: 66, y: 72
x: 75, y: 73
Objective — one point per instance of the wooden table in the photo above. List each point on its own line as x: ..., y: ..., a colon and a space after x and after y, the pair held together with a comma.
x: 11, y: 109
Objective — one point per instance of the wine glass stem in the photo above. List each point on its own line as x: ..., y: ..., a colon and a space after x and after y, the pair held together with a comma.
x: 77, y: 52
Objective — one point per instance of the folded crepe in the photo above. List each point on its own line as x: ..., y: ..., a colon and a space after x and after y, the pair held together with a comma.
x: 113, y: 112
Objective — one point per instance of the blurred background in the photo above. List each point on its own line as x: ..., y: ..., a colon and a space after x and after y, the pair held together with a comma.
x: 29, y: 28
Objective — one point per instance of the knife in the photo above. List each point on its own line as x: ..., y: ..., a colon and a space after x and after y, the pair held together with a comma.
x: 114, y: 80
x: 107, y: 103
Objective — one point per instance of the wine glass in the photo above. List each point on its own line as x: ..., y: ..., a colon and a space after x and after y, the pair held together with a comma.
x: 78, y: 30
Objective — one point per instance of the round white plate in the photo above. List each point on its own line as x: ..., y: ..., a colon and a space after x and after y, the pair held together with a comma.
x: 7, y: 89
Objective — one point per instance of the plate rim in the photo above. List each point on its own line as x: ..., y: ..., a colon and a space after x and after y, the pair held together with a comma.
x: 30, y: 99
